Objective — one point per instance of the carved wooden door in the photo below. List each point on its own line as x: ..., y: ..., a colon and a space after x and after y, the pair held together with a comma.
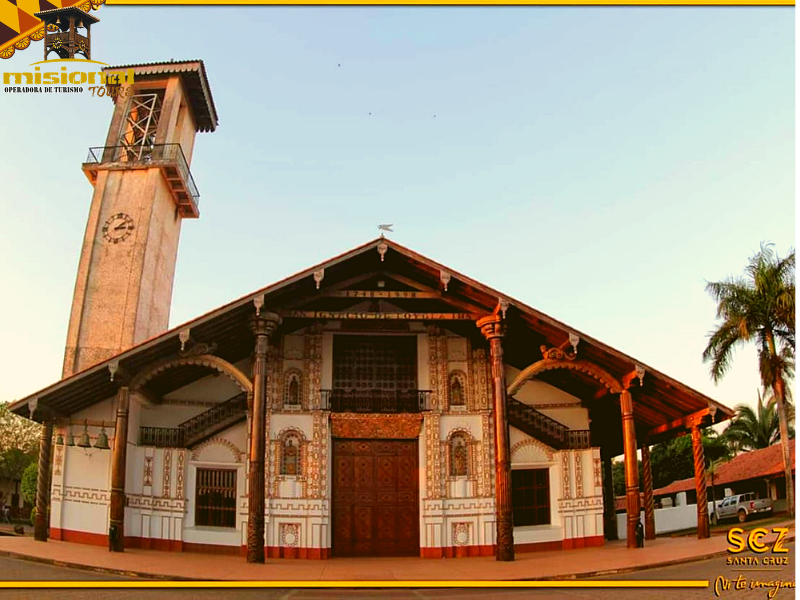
x: 375, y: 498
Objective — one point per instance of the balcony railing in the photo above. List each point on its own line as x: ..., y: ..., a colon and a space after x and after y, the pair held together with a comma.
x: 161, y: 437
x: 375, y: 401
x: 169, y: 157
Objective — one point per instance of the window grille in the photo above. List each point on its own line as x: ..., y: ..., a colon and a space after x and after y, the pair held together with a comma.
x: 216, y: 498
x: 530, y: 496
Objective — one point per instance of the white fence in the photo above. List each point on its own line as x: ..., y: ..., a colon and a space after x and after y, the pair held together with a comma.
x: 674, y: 518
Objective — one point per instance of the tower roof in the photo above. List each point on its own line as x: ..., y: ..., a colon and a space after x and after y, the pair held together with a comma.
x: 44, y: 14
x: 193, y: 75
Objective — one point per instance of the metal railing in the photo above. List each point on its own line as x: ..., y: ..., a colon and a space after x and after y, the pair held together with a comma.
x: 160, y: 437
x: 198, y: 424
x: 189, y: 430
x: 554, y: 432
x: 375, y: 401
x: 147, y: 155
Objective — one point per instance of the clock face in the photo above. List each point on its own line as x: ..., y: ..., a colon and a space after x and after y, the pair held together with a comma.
x: 118, y: 228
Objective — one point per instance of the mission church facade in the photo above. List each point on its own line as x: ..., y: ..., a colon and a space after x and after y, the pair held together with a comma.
x: 378, y: 403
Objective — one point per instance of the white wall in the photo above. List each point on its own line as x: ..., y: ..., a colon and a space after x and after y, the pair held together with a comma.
x: 674, y: 518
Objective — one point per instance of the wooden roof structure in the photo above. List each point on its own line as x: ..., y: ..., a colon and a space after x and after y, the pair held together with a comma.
x: 663, y: 407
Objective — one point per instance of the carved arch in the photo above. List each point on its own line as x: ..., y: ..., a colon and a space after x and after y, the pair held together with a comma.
x: 580, y: 366
x: 218, y: 441
x: 204, y: 360
x: 533, y: 443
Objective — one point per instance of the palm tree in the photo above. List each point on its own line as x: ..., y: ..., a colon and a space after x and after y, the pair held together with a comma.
x: 759, y: 307
x: 756, y: 429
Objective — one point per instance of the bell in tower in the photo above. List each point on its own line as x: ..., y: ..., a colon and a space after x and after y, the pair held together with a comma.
x: 143, y: 189
x: 63, y: 35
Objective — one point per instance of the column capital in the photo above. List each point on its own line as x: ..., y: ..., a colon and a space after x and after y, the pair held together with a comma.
x: 492, y: 326
x: 264, y: 324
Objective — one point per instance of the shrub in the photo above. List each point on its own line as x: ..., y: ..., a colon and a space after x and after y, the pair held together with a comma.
x: 28, y: 484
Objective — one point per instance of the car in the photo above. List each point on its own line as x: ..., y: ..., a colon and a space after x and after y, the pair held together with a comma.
x: 741, y: 507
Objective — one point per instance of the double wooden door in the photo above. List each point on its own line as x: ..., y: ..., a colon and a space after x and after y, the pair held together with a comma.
x: 375, y: 498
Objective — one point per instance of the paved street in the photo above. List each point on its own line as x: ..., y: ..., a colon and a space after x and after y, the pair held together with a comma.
x: 13, y: 569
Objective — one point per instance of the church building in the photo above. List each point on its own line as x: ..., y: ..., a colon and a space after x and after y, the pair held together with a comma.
x: 376, y: 404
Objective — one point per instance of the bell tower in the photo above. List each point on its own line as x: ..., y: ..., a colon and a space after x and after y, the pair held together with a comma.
x: 143, y: 189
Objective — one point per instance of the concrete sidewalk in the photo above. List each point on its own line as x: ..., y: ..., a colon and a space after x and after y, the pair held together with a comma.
x: 614, y: 557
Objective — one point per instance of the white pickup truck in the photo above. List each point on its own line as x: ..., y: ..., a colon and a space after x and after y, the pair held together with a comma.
x: 741, y: 506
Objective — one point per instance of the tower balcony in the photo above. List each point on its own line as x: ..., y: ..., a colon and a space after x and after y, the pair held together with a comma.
x: 168, y: 158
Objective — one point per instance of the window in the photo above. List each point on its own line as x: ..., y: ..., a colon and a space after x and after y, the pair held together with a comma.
x: 459, y: 455
x: 290, y: 455
x: 530, y: 496
x: 456, y: 391
x: 216, y: 498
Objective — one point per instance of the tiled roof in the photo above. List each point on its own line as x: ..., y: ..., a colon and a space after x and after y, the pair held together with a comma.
x: 764, y: 463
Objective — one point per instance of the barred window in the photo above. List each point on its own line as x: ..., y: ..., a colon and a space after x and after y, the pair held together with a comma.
x: 216, y: 498
x: 530, y: 496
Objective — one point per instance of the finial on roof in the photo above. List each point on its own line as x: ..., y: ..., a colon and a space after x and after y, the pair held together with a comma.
x: 385, y: 227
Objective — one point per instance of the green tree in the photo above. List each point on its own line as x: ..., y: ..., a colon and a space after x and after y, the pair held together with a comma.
x: 759, y: 308
x: 28, y: 486
x: 674, y: 460
x: 19, y: 443
x: 755, y: 429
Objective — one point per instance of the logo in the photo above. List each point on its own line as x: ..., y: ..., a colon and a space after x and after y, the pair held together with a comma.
x: 760, y: 567
x: 67, y: 34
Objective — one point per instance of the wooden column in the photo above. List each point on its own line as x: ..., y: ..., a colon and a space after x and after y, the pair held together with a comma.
x: 649, y: 509
x: 116, y: 525
x: 631, y: 466
x: 609, y: 503
x: 700, y: 482
x: 263, y: 325
x: 43, y: 482
x: 493, y: 328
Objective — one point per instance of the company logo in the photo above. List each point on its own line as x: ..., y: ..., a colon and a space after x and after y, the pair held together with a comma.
x: 67, y: 34
x: 766, y: 560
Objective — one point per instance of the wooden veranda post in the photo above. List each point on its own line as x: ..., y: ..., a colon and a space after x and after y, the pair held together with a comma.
x: 493, y: 328
x: 700, y: 482
x: 116, y: 526
x: 649, y: 509
x: 43, y: 482
x: 263, y: 325
x: 631, y: 466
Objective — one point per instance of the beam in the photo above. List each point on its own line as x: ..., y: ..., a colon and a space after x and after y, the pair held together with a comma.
x: 370, y: 316
x: 682, y: 422
x: 382, y: 294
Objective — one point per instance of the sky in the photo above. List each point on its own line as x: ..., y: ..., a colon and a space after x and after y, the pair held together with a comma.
x: 600, y: 164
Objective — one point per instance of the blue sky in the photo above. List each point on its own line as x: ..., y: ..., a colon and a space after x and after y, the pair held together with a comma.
x: 599, y: 164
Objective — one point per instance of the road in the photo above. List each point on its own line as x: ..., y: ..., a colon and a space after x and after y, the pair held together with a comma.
x: 22, y: 570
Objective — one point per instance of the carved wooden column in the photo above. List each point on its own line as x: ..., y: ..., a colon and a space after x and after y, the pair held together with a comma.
x: 116, y: 525
x: 700, y: 482
x: 263, y: 325
x: 493, y: 328
x: 43, y: 482
x: 649, y: 509
x: 631, y: 466
x: 609, y: 503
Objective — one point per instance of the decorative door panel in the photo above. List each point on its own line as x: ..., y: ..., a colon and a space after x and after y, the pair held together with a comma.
x: 375, y: 498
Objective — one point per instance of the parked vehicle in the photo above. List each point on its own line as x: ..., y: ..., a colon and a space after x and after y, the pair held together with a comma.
x: 741, y: 507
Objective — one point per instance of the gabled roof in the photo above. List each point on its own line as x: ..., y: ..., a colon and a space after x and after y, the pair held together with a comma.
x: 660, y: 400
x: 756, y: 464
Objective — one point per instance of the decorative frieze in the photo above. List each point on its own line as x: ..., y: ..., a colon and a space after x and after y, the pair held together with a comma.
x: 433, y: 463
x: 566, y: 492
x: 147, y: 479
x: 167, y: 477
x: 180, y: 474
x: 290, y: 535
x: 578, y: 473
x: 364, y: 426
x: 313, y: 366
x: 461, y: 535
x: 235, y: 452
